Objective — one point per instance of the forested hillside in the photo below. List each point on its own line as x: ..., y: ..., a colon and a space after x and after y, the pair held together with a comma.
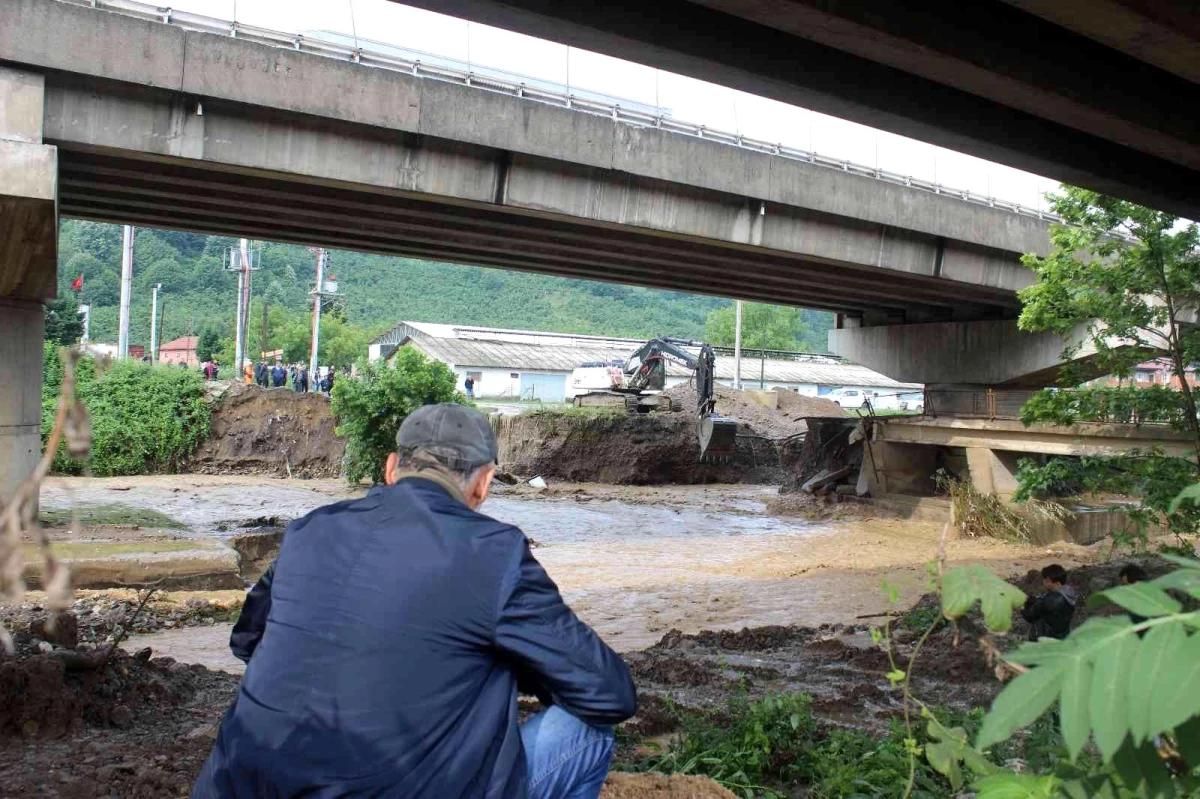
x: 378, y: 291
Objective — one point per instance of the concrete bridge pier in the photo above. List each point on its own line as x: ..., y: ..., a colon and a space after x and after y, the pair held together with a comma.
x: 987, y: 352
x: 28, y: 268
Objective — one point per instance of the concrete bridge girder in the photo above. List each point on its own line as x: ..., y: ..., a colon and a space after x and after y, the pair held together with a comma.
x: 163, y: 124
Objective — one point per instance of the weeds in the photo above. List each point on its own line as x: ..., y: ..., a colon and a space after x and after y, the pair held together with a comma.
x: 114, y: 514
x: 984, y: 515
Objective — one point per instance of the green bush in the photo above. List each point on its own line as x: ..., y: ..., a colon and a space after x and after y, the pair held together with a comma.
x: 775, y: 747
x: 145, y: 419
x: 369, y: 408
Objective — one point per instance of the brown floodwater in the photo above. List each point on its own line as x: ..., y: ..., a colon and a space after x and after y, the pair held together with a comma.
x: 633, y: 562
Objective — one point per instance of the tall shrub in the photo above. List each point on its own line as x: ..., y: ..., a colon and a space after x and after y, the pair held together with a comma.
x: 145, y: 419
x: 370, y: 408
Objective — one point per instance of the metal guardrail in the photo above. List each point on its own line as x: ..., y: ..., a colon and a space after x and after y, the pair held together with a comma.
x: 358, y: 55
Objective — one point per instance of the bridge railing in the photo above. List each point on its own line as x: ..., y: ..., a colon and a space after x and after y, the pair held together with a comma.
x: 359, y: 55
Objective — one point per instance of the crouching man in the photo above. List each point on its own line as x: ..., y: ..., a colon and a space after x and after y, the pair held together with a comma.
x: 1049, y: 615
x: 387, y: 642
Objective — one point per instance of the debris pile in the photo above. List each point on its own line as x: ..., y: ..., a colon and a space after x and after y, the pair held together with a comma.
x: 785, y: 420
x: 272, y: 431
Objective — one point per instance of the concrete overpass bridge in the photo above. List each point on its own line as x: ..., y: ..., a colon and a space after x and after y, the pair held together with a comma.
x: 113, y: 117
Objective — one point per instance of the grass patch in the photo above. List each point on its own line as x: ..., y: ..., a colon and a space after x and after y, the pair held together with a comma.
x: 114, y: 514
x: 774, y: 748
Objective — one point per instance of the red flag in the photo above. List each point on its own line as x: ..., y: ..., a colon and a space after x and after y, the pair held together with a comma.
x: 77, y: 283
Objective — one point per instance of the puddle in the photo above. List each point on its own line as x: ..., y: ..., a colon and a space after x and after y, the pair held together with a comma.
x: 208, y: 645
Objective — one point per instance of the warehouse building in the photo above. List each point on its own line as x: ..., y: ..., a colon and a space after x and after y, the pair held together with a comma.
x: 532, y: 365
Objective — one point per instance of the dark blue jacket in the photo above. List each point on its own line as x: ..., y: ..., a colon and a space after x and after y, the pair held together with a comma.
x: 388, y: 640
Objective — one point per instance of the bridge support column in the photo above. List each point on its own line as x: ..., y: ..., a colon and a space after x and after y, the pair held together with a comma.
x: 28, y: 268
x: 993, y: 471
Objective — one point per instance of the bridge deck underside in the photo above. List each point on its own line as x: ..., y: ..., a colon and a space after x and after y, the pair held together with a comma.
x: 168, y: 193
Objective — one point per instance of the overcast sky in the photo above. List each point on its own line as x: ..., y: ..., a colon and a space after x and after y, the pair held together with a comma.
x: 690, y: 100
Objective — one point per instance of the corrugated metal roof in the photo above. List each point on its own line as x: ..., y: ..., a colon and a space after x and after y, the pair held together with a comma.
x: 491, y: 354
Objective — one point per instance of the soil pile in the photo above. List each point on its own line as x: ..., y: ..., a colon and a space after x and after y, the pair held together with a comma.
x: 96, y: 618
x: 638, y: 449
x: 271, y: 431
x: 772, y: 423
x: 621, y: 785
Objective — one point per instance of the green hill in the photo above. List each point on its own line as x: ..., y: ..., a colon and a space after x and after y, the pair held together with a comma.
x: 379, y: 290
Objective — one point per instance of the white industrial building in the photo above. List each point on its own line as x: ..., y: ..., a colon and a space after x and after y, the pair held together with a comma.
x: 526, y: 364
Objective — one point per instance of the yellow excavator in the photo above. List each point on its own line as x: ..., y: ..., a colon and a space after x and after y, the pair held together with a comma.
x: 644, y: 377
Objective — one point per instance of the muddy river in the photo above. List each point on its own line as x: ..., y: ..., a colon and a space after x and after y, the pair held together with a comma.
x: 633, y: 562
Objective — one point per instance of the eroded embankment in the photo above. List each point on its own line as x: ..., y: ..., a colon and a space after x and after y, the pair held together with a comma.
x: 273, y: 431
x: 647, y: 449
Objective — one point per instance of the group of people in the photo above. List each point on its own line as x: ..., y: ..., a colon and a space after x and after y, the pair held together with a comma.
x: 295, y: 375
x: 1050, y: 614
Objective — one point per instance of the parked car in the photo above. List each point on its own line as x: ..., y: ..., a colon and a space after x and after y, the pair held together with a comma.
x: 850, y: 398
x: 913, y: 402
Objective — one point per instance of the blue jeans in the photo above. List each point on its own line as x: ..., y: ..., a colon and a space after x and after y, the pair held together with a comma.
x: 565, y: 757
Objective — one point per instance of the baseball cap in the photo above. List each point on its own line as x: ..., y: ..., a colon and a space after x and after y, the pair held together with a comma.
x: 456, y: 435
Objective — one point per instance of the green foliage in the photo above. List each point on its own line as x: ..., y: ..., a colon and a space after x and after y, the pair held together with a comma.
x: 370, y: 407
x: 774, y: 746
x: 964, y: 586
x: 1121, y: 683
x: 1102, y: 404
x: 747, y: 745
x: 145, y: 419
x: 1153, y: 478
x: 770, y: 327
x: 1119, y: 281
x: 64, y: 323
x: 207, y: 343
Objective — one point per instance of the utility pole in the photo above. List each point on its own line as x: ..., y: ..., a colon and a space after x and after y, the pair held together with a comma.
x: 239, y: 261
x: 86, y: 310
x: 126, y: 289
x: 154, y: 323
x: 318, y: 290
x: 737, y: 345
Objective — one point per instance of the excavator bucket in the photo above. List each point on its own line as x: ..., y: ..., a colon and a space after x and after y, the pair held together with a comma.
x: 717, y: 436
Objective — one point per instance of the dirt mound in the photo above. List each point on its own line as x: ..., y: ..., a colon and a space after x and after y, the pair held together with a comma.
x: 272, y: 431
x: 674, y: 671
x: 638, y: 449
x: 45, y: 695
x: 621, y: 785
x: 773, y: 423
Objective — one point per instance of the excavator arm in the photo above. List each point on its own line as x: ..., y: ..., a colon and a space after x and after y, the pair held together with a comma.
x: 646, y: 370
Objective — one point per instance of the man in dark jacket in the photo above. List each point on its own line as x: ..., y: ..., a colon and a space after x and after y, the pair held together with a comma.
x: 278, y: 375
x: 1049, y: 615
x: 387, y: 642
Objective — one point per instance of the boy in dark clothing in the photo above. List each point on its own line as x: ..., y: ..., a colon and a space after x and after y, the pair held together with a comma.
x: 1049, y: 615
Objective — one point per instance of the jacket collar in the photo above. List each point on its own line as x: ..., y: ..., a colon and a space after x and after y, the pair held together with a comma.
x: 439, y: 479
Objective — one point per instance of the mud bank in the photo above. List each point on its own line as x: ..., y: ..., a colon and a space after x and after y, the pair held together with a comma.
x: 270, y: 431
x: 641, y: 449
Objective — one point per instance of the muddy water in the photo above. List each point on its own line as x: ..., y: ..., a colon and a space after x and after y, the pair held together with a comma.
x: 634, y: 563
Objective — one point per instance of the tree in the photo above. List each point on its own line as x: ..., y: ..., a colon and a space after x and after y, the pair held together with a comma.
x: 64, y: 323
x: 1128, y: 277
x: 370, y: 408
x: 769, y: 327
x: 207, y: 343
